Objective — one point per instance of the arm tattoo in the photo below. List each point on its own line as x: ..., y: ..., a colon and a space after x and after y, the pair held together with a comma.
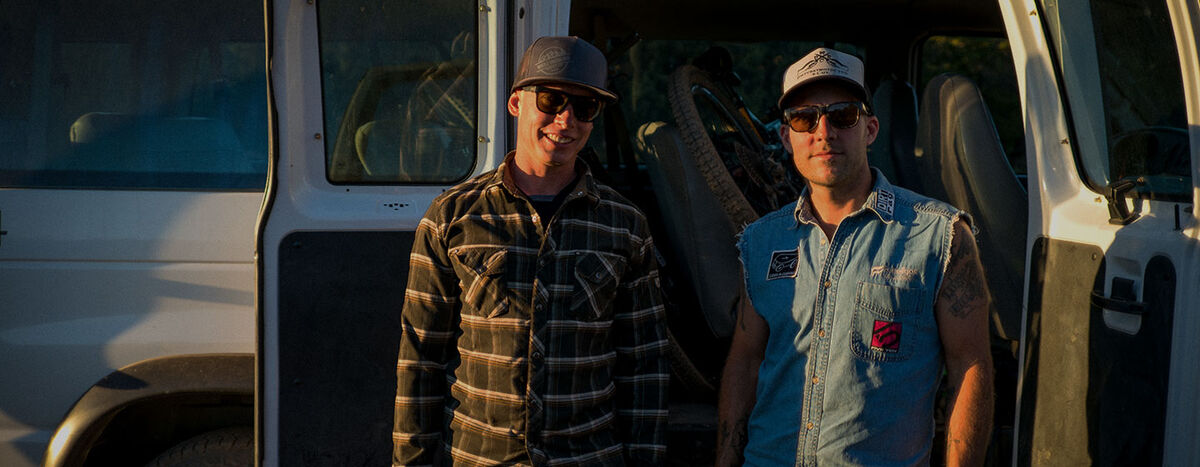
x: 964, y: 287
x: 733, y: 436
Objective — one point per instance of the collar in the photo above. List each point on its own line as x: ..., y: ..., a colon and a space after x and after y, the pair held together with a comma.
x: 881, y: 201
x: 585, y: 186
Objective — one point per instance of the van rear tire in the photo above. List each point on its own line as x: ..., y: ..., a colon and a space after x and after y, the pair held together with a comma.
x: 226, y: 447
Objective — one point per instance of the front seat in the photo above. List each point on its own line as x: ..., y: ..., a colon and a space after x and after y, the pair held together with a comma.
x: 962, y: 161
x: 701, y: 238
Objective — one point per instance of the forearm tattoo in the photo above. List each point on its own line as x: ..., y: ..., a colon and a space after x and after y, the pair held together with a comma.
x: 733, y: 439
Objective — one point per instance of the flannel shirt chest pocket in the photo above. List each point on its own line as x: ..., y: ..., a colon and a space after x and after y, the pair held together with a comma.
x: 597, y: 277
x: 481, y: 275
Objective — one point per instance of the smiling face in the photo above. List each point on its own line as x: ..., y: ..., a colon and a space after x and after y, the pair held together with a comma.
x: 830, y: 157
x: 546, y: 141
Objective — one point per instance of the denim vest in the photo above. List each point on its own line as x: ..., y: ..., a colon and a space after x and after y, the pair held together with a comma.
x: 853, y: 358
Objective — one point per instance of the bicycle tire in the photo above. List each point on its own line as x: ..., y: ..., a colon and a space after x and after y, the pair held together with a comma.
x: 680, y: 94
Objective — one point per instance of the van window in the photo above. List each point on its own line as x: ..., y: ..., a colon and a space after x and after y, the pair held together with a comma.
x: 988, y: 62
x: 399, y: 82
x: 1125, y: 91
x: 132, y: 95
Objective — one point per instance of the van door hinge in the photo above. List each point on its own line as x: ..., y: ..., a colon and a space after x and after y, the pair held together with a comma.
x: 1118, y: 210
x: 2, y: 232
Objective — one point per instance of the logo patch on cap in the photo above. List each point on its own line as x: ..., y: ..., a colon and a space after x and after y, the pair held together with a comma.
x: 783, y: 264
x: 886, y: 336
x: 552, y: 60
x: 823, y: 57
x: 885, y: 202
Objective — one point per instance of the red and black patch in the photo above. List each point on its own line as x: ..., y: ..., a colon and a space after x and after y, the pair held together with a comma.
x: 886, y: 336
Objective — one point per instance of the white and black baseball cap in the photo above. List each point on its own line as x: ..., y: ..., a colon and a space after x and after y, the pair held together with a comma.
x: 564, y: 59
x: 821, y: 64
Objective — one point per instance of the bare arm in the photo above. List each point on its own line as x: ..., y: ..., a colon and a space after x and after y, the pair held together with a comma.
x: 962, y: 315
x: 739, y: 382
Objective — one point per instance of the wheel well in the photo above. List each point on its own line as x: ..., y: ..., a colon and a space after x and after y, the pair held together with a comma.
x: 144, y: 408
x: 144, y: 429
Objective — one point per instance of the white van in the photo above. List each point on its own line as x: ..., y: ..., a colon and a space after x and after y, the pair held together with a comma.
x: 133, y: 156
x: 1070, y: 129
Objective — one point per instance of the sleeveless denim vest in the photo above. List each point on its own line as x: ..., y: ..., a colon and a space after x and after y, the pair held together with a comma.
x: 853, y: 360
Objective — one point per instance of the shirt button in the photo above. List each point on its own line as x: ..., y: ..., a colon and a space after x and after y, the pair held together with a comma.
x: 816, y: 380
x: 539, y: 307
x: 537, y: 356
x: 821, y: 333
x: 822, y: 241
x: 809, y: 426
x: 827, y: 284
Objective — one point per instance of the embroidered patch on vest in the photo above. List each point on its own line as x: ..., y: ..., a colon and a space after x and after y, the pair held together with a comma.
x: 886, y: 336
x: 894, y: 274
x: 783, y: 264
x: 885, y: 201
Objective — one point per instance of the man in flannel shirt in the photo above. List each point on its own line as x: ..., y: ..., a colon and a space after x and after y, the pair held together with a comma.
x: 533, y: 326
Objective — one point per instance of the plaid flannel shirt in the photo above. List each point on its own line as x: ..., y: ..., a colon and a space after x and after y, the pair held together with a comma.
x: 531, y: 345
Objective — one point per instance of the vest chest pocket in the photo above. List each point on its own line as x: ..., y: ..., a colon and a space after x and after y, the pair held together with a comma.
x: 596, y: 279
x: 888, y: 323
x: 481, y: 277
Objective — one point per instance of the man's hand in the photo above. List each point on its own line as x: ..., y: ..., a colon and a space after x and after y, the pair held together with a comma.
x: 739, y: 382
x: 962, y: 315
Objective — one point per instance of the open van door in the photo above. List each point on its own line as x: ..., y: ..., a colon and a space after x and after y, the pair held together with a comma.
x: 1111, y: 92
x: 378, y: 106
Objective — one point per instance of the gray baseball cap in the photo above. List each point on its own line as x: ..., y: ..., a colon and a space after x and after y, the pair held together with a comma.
x: 564, y: 59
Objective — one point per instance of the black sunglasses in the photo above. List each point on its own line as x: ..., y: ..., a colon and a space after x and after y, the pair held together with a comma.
x: 553, y: 102
x: 803, y: 119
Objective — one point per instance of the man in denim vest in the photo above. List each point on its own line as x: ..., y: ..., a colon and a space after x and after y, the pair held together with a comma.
x: 856, y: 295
